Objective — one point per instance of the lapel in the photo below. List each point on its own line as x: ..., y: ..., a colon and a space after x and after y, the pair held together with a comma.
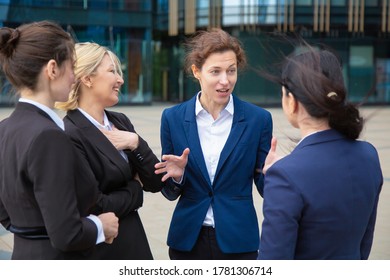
x: 98, y: 140
x: 191, y: 132
x: 238, y: 127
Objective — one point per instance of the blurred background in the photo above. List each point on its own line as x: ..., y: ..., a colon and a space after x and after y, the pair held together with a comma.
x: 147, y: 35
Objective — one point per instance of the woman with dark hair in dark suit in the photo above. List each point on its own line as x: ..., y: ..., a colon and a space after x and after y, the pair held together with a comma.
x: 320, y: 201
x: 46, y: 193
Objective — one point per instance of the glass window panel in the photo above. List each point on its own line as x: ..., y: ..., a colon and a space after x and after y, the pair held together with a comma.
x: 338, y: 2
x: 303, y: 2
x: 361, y: 56
x: 371, y: 3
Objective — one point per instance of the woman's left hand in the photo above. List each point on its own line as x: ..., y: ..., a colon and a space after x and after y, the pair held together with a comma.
x: 122, y: 139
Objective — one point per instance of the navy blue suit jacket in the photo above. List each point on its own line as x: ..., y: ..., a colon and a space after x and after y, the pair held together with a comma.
x: 320, y: 201
x: 230, y: 195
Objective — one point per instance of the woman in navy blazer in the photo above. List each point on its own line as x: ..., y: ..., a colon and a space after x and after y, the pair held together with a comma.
x: 320, y: 201
x: 228, y: 140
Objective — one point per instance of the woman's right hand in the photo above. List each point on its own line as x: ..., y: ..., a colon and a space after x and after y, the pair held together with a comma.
x: 173, y: 166
x: 110, y: 224
x: 122, y: 139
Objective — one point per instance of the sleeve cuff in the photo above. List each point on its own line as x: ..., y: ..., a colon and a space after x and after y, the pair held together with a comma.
x: 100, y: 235
x: 178, y: 182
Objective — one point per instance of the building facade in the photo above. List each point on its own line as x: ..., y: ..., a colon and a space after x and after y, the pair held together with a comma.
x: 148, y: 37
x: 123, y: 26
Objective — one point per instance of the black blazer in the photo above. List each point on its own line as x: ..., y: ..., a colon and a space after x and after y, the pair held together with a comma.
x: 119, y: 191
x: 43, y: 185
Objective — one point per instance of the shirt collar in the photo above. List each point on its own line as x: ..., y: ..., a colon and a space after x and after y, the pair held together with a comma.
x: 314, y: 132
x: 106, y: 122
x: 229, y: 107
x: 53, y: 115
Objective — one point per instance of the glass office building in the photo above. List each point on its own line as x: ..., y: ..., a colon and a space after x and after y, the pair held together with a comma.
x: 123, y: 26
x: 147, y: 35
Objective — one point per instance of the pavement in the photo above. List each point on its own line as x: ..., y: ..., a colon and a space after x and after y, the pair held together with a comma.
x: 157, y: 211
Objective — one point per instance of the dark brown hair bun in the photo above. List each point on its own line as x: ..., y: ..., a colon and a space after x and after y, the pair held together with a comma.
x: 8, y: 40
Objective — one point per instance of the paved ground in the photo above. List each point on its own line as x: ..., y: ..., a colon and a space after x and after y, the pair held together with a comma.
x: 157, y: 211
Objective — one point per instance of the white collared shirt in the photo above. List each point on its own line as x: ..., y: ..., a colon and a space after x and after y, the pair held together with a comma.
x: 53, y: 115
x: 213, y: 135
x: 107, y: 125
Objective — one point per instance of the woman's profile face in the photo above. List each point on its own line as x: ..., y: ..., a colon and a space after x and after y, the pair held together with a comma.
x: 217, y: 77
x: 63, y: 84
x: 284, y: 101
x: 107, y: 82
x: 289, y: 106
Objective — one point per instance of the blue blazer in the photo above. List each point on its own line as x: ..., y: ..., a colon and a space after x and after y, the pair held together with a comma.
x: 230, y: 194
x: 320, y: 201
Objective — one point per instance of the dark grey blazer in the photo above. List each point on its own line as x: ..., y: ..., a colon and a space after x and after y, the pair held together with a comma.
x: 119, y: 191
x: 44, y: 185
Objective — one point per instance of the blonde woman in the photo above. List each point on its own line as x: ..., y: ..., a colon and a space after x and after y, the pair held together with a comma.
x: 115, y: 152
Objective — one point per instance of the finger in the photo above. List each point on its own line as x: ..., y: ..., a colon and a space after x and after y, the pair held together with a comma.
x: 168, y: 157
x: 165, y: 177
x: 159, y: 171
x: 186, y: 152
x: 274, y: 142
x: 159, y: 165
x: 109, y: 240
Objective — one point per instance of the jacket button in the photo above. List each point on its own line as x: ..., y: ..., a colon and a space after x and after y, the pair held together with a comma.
x: 139, y: 157
x: 210, y: 194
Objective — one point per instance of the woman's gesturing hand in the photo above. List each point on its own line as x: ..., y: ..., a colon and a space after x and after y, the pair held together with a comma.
x: 173, y: 166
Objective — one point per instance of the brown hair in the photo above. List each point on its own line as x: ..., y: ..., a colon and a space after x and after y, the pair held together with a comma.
x: 204, y: 43
x: 26, y: 49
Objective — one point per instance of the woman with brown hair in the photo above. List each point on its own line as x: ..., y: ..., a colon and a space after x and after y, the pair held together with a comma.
x: 46, y: 193
x: 229, y: 139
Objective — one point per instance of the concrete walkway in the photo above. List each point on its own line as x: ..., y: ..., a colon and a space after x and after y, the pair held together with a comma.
x: 156, y: 212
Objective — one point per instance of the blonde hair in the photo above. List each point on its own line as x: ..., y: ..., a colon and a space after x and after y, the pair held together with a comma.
x: 88, y: 58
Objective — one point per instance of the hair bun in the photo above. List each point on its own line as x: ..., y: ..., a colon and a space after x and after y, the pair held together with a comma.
x: 8, y: 40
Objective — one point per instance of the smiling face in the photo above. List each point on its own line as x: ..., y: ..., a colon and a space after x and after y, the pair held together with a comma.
x: 217, y: 78
x: 106, y: 82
